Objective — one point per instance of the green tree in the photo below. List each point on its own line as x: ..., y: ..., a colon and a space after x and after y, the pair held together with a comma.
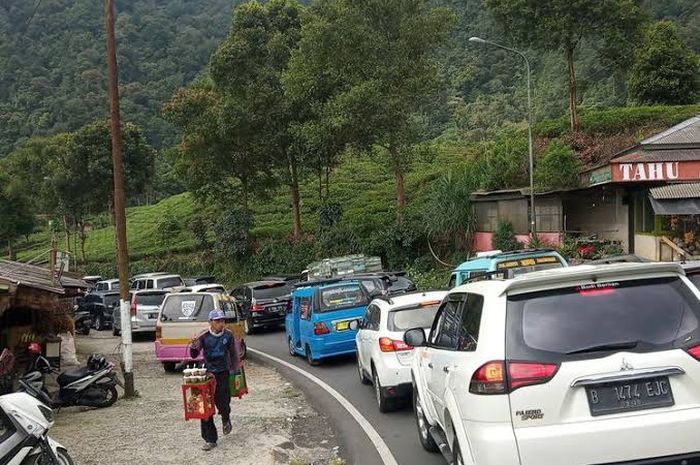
x: 506, y: 163
x: 665, y: 70
x: 247, y: 70
x: 504, y: 238
x: 15, y: 211
x: 564, y: 24
x: 372, y: 68
x: 559, y: 168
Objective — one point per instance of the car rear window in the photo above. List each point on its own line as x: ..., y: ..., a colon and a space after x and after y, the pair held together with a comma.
x: 271, y: 291
x: 169, y: 282
x: 414, y: 317
x: 641, y: 315
x: 187, y: 307
x: 111, y: 299
x: 342, y: 296
x: 150, y: 299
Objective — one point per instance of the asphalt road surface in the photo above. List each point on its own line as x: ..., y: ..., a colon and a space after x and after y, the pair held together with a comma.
x: 397, y: 429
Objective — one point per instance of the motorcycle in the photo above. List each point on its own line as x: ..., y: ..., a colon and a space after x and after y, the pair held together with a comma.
x: 93, y: 385
x: 24, y: 439
x: 82, y: 321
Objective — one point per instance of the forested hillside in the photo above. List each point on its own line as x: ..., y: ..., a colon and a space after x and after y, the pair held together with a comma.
x: 53, y: 72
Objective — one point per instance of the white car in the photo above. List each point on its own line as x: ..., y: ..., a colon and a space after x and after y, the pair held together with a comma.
x: 382, y: 357
x: 217, y: 288
x: 585, y: 365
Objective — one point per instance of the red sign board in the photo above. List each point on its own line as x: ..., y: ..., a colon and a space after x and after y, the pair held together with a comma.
x: 656, y: 171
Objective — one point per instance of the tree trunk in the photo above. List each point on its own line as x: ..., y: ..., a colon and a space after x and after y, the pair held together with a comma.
x: 328, y: 181
x: 573, y: 113
x: 66, y: 232
x: 244, y: 192
x: 400, y: 186
x: 83, y: 238
x: 11, y: 254
x: 296, y: 200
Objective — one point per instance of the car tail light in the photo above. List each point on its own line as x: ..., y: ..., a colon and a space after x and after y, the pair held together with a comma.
x: 133, y: 306
x: 694, y: 352
x: 494, y: 378
x: 320, y: 329
x: 257, y: 308
x: 390, y: 345
x: 159, y: 331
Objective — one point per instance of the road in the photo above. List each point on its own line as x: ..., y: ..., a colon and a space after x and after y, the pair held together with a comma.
x: 397, y: 429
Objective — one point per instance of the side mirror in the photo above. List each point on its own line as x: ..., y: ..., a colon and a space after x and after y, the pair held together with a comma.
x: 414, y: 337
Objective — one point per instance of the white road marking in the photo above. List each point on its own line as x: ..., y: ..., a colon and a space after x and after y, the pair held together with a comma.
x: 379, y: 444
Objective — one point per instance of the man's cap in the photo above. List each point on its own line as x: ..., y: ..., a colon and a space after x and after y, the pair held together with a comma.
x: 216, y: 315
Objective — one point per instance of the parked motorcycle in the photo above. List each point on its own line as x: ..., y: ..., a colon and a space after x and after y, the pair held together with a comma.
x: 82, y: 321
x: 24, y: 424
x: 93, y: 385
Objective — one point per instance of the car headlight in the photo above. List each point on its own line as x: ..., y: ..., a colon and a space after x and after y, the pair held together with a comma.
x: 47, y: 412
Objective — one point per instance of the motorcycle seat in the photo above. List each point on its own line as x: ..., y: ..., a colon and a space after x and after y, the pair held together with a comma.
x: 73, y: 375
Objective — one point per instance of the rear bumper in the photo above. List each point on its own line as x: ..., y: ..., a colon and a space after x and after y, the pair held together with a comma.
x: 685, y: 459
x: 267, y: 320
x: 332, y: 345
x: 400, y: 390
x: 494, y: 444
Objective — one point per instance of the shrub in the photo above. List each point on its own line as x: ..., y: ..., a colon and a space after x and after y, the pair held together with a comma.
x: 507, y: 162
x: 199, y: 225
x: 559, y: 168
x: 504, y: 238
x: 167, y: 228
x: 232, y: 233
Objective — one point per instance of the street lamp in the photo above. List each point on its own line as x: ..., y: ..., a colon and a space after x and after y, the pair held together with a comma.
x: 479, y: 40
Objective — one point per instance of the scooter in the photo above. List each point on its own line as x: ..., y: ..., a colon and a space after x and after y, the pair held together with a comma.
x: 24, y: 423
x: 82, y: 321
x: 93, y: 385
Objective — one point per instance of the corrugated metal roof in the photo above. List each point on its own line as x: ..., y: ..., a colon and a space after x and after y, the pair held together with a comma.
x: 643, y: 156
x: 687, y: 132
x: 22, y: 274
x: 676, y: 191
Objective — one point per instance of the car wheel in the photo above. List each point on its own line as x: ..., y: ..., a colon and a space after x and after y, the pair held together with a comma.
x: 457, y: 454
x: 99, y: 325
x: 169, y: 367
x: 426, y: 439
x: 248, y: 326
x: 310, y: 357
x: 361, y: 372
x: 384, y: 403
x: 85, y: 330
x: 292, y: 350
x: 116, y: 332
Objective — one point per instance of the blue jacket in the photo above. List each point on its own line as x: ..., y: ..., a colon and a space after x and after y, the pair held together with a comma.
x: 220, y: 352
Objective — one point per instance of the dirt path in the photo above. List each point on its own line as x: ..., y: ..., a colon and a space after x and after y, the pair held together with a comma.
x: 274, y: 424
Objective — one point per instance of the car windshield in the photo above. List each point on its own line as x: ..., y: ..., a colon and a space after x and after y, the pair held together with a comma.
x: 169, y: 282
x: 414, y: 317
x: 648, y: 314
x: 150, y: 299
x: 271, y: 291
x: 342, y: 296
x: 178, y: 307
x: 528, y: 265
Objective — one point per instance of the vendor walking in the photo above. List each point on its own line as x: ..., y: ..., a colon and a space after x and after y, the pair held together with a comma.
x: 222, y: 359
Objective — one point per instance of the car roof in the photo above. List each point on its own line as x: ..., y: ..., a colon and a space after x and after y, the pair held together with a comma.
x: 200, y: 287
x: 149, y: 291
x: 411, y: 298
x: 165, y: 276
x: 691, y: 265
x: 108, y: 281
x: 150, y: 275
x: 484, y: 261
x: 264, y: 283
x: 540, y: 280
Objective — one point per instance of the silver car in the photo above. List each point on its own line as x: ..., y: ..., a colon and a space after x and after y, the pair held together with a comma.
x: 144, y: 311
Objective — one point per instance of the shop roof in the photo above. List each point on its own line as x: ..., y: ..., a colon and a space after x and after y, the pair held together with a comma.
x: 676, y: 191
x: 643, y: 156
x: 32, y: 276
x: 685, y: 133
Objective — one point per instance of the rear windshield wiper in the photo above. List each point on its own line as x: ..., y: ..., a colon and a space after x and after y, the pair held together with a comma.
x: 604, y: 347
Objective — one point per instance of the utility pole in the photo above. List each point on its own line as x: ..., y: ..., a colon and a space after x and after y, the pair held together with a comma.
x: 119, y: 210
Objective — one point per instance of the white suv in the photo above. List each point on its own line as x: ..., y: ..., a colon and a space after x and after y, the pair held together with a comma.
x: 382, y: 357
x: 585, y: 365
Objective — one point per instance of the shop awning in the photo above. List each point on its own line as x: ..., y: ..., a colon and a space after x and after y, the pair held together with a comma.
x: 676, y: 199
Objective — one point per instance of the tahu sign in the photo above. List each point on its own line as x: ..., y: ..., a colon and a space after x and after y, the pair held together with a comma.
x: 656, y: 171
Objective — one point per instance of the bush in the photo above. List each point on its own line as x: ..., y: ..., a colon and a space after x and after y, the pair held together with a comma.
x: 232, y: 233
x: 507, y: 162
x: 199, y: 225
x: 167, y: 228
x: 558, y: 168
x: 504, y: 238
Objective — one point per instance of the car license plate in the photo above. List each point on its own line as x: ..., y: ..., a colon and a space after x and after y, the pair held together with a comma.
x: 342, y: 325
x: 152, y: 316
x: 277, y: 309
x: 609, y: 398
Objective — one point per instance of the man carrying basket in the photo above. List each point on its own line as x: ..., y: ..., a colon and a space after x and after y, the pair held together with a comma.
x: 222, y: 358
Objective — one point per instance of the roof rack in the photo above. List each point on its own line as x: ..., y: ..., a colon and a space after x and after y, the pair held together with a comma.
x: 321, y: 282
x: 520, y: 251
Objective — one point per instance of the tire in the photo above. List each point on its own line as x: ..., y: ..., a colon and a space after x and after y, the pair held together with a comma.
x: 112, y: 396
x: 116, y: 332
x: 169, y: 367
x: 244, y: 350
x: 361, y: 372
x: 383, y: 403
x: 63, y: 459
x: 85, y: 330
x: 426, y: 439
x: 99, y: 323
x: 290, y: 346
x: 310, y: 357
x: 457, y: 458
x: 248, y: 327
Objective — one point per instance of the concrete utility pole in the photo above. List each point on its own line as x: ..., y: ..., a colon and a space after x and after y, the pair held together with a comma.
x: 119, y: 210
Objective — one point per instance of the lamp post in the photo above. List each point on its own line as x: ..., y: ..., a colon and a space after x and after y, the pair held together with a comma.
x: 533, y: 225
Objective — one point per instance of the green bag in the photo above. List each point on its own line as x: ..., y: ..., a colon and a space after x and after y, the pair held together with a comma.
x: 237, y: 384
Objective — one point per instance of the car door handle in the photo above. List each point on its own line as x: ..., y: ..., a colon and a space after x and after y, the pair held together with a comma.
x: 430, y: 365
x: 446, y: 369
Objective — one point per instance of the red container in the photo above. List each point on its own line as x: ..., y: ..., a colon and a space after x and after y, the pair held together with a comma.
x: 198, y: 400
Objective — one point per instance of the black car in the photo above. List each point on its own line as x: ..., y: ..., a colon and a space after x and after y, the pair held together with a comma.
x: 100, y: 305
x: 692, y: 271
x: 263, y: 303
x: 386, y: 283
